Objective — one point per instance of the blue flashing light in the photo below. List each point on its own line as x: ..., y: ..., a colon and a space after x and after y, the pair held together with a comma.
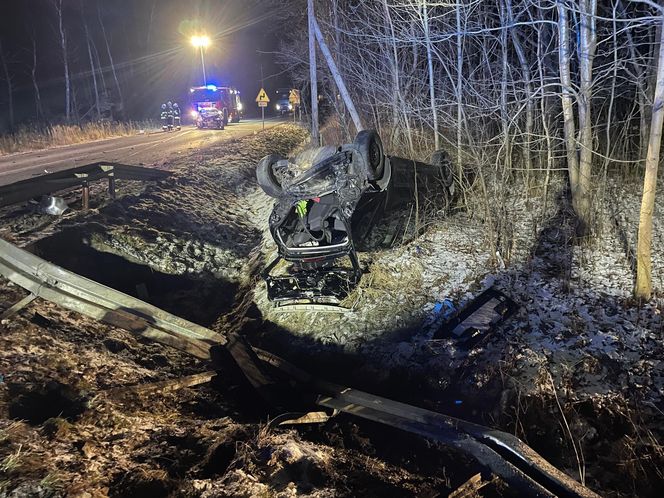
x: 211, y: 87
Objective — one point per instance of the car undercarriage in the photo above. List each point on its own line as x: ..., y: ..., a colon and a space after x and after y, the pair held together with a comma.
x: 333, y: 201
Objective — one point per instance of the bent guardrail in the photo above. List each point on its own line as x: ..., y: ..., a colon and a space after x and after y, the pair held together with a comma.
x: 77, y: 293
x: 501, y: 453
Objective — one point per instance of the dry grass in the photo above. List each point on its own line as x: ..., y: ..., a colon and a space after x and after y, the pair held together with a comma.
x: 29, y: 139
x: 11, y: 461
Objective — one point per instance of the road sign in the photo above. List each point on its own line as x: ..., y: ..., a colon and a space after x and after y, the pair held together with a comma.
x: 262, y: 104
x: 294, y: 97
x: 262, y: 97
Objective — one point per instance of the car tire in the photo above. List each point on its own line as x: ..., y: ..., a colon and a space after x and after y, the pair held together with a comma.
x: 368, y: 143
x: 266, y: 177
x: 441, y: 159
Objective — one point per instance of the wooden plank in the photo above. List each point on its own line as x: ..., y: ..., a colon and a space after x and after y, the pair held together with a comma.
x: 470, y: 488
x: 163, y: 386
x: 16, y: 307
x: 249, y: 363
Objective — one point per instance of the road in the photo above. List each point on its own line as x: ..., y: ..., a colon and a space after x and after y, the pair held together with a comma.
x: 150, y: 149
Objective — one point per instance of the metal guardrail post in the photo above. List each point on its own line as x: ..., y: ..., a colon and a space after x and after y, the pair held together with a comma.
x: 111, y: 185
x: 86, y: 195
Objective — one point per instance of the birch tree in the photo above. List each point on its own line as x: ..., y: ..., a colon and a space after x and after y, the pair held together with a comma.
x: 643, y: 287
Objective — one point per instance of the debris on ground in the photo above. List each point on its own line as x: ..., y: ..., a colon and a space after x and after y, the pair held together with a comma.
x: 576, y: 371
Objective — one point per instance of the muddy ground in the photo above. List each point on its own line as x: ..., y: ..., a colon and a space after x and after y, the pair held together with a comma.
x: 576, y: 373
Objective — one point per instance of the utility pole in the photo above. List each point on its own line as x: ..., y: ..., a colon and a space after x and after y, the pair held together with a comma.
x: 315, y: 137
x: 203, y: 65
x: 336, y: 75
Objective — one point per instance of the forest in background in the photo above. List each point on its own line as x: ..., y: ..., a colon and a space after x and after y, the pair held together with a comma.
x: 517, y: 90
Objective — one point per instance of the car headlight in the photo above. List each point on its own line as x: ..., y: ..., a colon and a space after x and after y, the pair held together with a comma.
x: 194, y: 114
x: 290, y: 107
x: 239, y: 106
x: 278, y: 107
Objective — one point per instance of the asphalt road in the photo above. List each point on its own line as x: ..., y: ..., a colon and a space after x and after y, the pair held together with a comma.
x: 150, y: 149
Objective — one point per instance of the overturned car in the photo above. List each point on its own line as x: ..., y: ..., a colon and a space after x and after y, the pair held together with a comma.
x: 332, y: 202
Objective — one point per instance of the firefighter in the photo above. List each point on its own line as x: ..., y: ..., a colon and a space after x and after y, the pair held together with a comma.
x: 176, y: 115
x: 171, y: 115
x: 164, y: 117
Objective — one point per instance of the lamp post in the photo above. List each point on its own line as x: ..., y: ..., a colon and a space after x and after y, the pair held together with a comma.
x: 201, y: 42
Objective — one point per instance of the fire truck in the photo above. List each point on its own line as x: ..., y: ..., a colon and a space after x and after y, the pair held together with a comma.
x: 225, y: 99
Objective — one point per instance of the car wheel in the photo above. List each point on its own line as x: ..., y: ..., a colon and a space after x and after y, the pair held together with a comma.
x: 368, y: 143
x: 266, y: 177
x: 441, y: 159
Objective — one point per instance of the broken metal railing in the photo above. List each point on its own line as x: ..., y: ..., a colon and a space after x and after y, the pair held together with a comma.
x: 503, y: 454
x: 77, y: 293
x: 80, y: 176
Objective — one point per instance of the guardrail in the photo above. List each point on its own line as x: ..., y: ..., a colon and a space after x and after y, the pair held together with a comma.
x: 505, y: 455
x: 77, y: 293
x: 80, y: 176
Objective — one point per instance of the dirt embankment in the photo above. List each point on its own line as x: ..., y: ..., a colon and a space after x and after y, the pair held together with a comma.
x: 184, y: 242
x: 576, y: 372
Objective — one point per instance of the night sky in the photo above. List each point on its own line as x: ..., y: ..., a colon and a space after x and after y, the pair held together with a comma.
x: 149, y: 43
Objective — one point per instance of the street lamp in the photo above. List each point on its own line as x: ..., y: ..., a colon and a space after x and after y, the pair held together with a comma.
x: 201, y: 42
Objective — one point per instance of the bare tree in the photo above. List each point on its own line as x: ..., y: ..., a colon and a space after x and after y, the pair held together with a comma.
x: 33, y: 74
x: 65, y: 60
x: 10, y: 88
x: 315, y: 137
x: 432, y: 92
x: 93, y: 70
x: 643, y: 287
x: 110, y: 57
x: 587, y: 47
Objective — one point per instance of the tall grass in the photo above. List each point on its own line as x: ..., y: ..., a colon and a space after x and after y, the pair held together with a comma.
x: 36, y: 138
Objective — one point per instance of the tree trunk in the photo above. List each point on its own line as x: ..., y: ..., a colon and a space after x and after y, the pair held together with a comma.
x: 530, y: 105
x: 63, y: 46
x: 432, y: 93
x: 10, y: 89
x: 33, y: 74
x: 337, y: 76
x: 93, y: 70
x: 110, y: 59
x: 459, y: 68
x: 587, y: 45
x: 394, y: 66
x: 569, y: 126
x: 315, y: 136
x: 643, y: 287
x: 640, y: 83
x: 504, y: 116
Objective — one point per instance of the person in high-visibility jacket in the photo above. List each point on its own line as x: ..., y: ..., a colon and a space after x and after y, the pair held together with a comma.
x: 164, y: 117
x: 176, y: 115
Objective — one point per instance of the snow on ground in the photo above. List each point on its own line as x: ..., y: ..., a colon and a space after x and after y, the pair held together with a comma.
x: 76, y: 440
x: 577, y: 336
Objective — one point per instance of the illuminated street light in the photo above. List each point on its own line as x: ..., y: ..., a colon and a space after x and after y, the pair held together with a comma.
x: 201, y: 42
